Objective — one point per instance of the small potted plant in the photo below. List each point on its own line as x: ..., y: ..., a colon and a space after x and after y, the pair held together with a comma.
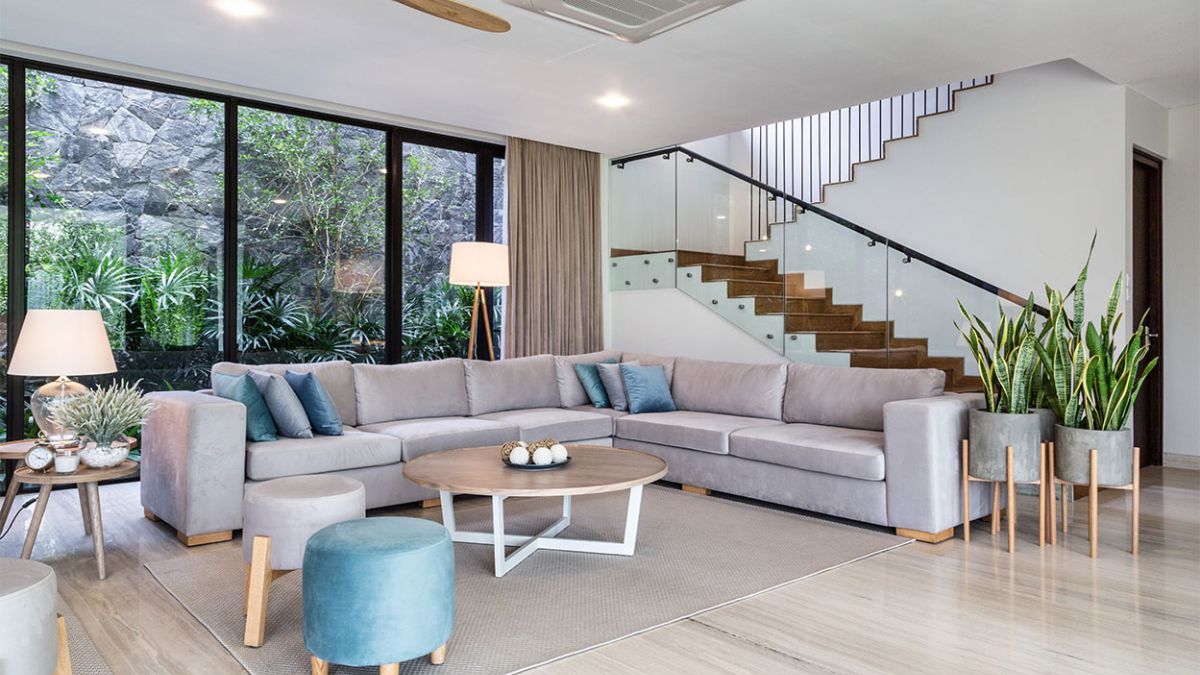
x: 1005, y: 360
x: 101, y: 416
x: 1094, y: 386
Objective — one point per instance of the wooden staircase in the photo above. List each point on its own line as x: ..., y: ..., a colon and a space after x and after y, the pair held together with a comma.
x: 837, y: 328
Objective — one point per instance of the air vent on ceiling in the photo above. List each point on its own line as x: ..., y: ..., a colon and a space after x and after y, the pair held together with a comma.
x: 627, y: 20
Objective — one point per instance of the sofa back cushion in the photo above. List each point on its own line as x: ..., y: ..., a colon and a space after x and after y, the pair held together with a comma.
x: 511, y: 384
x: 743, y: 389
x: 570, y: 390
x: 853, y: 397
x: 406, y: 391
x: 667, y: 362
x: 336, y: 376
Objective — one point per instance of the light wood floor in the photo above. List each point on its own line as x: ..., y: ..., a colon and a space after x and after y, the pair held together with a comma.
x: 919, y: 608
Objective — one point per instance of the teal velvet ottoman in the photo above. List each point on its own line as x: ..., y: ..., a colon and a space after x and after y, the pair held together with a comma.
x: 378, y: 591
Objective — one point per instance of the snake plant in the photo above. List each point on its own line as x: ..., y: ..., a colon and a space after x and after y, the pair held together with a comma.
x: 1006, y: 359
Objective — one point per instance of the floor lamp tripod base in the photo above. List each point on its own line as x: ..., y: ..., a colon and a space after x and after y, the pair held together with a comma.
x: 478, y: 306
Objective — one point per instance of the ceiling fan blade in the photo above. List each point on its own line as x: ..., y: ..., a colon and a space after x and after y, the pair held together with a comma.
x: 459, y: 13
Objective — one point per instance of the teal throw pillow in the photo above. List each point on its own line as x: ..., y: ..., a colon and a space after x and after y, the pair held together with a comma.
x: 589, y: 377
x: 260, y: 426
x: 646, y: 388
x: 318, y: 405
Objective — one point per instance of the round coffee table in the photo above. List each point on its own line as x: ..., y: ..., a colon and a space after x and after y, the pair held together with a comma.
x: 593, y: 469
x: 87, y: 480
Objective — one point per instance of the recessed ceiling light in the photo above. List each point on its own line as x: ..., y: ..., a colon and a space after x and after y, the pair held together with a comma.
x: 808, y: 247
x: 240, y: 9
x: 613, y: 100
x: 279, y: 200
x: 721, y: 217
x: 899, y: 292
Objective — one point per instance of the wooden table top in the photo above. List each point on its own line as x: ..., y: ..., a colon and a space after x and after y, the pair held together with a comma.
x: 480, y: 471
x: 85, y: 474
x: 17, y: 449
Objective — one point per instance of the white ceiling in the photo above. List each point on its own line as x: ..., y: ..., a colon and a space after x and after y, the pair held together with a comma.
x: 754, y: 62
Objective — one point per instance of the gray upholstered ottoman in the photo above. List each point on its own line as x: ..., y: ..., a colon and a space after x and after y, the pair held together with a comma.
x: 29, y: 633
x: 279, y: 517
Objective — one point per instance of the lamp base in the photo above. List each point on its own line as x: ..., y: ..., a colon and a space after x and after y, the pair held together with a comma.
x: 46, y: 399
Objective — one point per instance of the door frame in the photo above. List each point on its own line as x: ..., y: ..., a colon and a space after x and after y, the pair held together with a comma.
x: 1153, y: 454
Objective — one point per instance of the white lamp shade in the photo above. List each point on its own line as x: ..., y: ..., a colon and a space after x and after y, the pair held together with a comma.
x: 477, y: 262
x: 55, y: 342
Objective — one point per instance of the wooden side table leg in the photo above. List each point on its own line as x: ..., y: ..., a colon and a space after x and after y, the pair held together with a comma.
x: 260, y: 583
x: 1042, y: 498
x: 39, y: 510
x: 85, y: 510
x: 93, y: 496
x: 1051, y: 491
x: 1012, y: 499
x: 10, y: 495
x: 995, y: 507
x: 966, y: 490
x: 63, y: 665
x: 1137, y: 499
x: 1093, y: 509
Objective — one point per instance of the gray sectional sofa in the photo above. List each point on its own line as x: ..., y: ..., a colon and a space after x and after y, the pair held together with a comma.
x: 878, y: 446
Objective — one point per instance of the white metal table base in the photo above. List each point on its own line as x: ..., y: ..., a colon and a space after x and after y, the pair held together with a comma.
x: 546, y: 539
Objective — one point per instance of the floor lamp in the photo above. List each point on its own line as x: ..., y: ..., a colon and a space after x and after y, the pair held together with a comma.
x: 482, y: 265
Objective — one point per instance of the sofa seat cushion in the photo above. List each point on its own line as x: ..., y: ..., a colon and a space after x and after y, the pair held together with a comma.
x: 706, y: 432
x: 854, y: 453
x: 354, y: 449
x: 424, y: 435
x: 557, y: 423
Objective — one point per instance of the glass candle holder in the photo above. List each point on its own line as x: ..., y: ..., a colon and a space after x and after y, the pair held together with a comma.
x: 66, y: 462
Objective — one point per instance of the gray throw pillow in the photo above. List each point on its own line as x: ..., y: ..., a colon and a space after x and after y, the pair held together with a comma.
x: 610, y: 377
x: 285, y: 406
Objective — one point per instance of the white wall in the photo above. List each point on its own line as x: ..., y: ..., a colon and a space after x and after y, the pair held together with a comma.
x: 1181, y: 284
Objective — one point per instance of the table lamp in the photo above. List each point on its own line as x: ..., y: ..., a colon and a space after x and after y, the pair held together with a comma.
x: 482, y: 265
x: 58, y: 343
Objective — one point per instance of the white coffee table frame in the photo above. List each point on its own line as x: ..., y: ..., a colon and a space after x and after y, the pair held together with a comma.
x: 547, y: 539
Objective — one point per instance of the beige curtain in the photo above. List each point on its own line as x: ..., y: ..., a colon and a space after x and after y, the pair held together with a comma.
x: 553, y: 305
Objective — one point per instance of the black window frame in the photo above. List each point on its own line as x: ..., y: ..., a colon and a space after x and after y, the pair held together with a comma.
x: 395, y: 137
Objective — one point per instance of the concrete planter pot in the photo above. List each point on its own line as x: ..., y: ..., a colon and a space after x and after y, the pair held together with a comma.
x: 1047, y: 420
x: 1114, y: 455
x: 991, y: 433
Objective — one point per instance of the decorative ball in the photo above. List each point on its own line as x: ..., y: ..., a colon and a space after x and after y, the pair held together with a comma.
x: 542, y: 456
x: 507, y: 448
x: 558, y: 452
x: 519, y: 455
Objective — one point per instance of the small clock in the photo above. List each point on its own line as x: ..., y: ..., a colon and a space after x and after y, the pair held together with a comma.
x: 40, y: 457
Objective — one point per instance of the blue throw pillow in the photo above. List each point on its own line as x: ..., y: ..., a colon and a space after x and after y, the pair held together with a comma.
x: 260, y: 426
x: 589, y: 377
x: 646, y: 388
x: 322, y: 413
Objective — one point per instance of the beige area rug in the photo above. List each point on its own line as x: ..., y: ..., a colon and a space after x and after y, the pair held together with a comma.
x: 694, y: 553
x: 85, y: 658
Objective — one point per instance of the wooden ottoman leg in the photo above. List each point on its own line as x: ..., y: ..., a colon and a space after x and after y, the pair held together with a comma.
x: 966, y: 490
x: 319, y: 666
x: 389, y: 669
x: 1093, y: 511
x: 1012, y: 500
x: 438, y: 656
x: 63, y: 665
x: 260, y: 584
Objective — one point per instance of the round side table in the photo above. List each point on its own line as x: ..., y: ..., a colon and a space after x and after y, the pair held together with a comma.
x: 86, y: 480
x: 14, y: 451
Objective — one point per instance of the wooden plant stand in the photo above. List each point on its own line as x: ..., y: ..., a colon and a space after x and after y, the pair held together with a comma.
x: 1093, y: 486
x: 1043, y: 482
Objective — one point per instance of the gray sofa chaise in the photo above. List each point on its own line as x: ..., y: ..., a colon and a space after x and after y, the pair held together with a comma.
x: 877, y: 446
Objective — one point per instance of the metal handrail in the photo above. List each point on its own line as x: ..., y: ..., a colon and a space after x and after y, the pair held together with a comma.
x: 909, y: 252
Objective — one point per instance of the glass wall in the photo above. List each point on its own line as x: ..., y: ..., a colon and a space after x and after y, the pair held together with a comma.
x: 439, y: 209
x: 124, y: 215
x: 311, y: 228
x: 137, y: 205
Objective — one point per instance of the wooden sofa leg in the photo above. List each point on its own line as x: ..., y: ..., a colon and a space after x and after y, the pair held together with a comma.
x: 927, y: 537
x: 150, y: 516
x: 431, y: 503
x: 205, y: 538
x: 63, y: 664
x: 696, y: 490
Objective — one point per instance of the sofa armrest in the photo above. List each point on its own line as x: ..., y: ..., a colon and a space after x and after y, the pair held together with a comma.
x: 922, y: 451
x: 194, y: 461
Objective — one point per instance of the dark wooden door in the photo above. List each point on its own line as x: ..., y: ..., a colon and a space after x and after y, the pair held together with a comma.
x: 1147, y: 298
